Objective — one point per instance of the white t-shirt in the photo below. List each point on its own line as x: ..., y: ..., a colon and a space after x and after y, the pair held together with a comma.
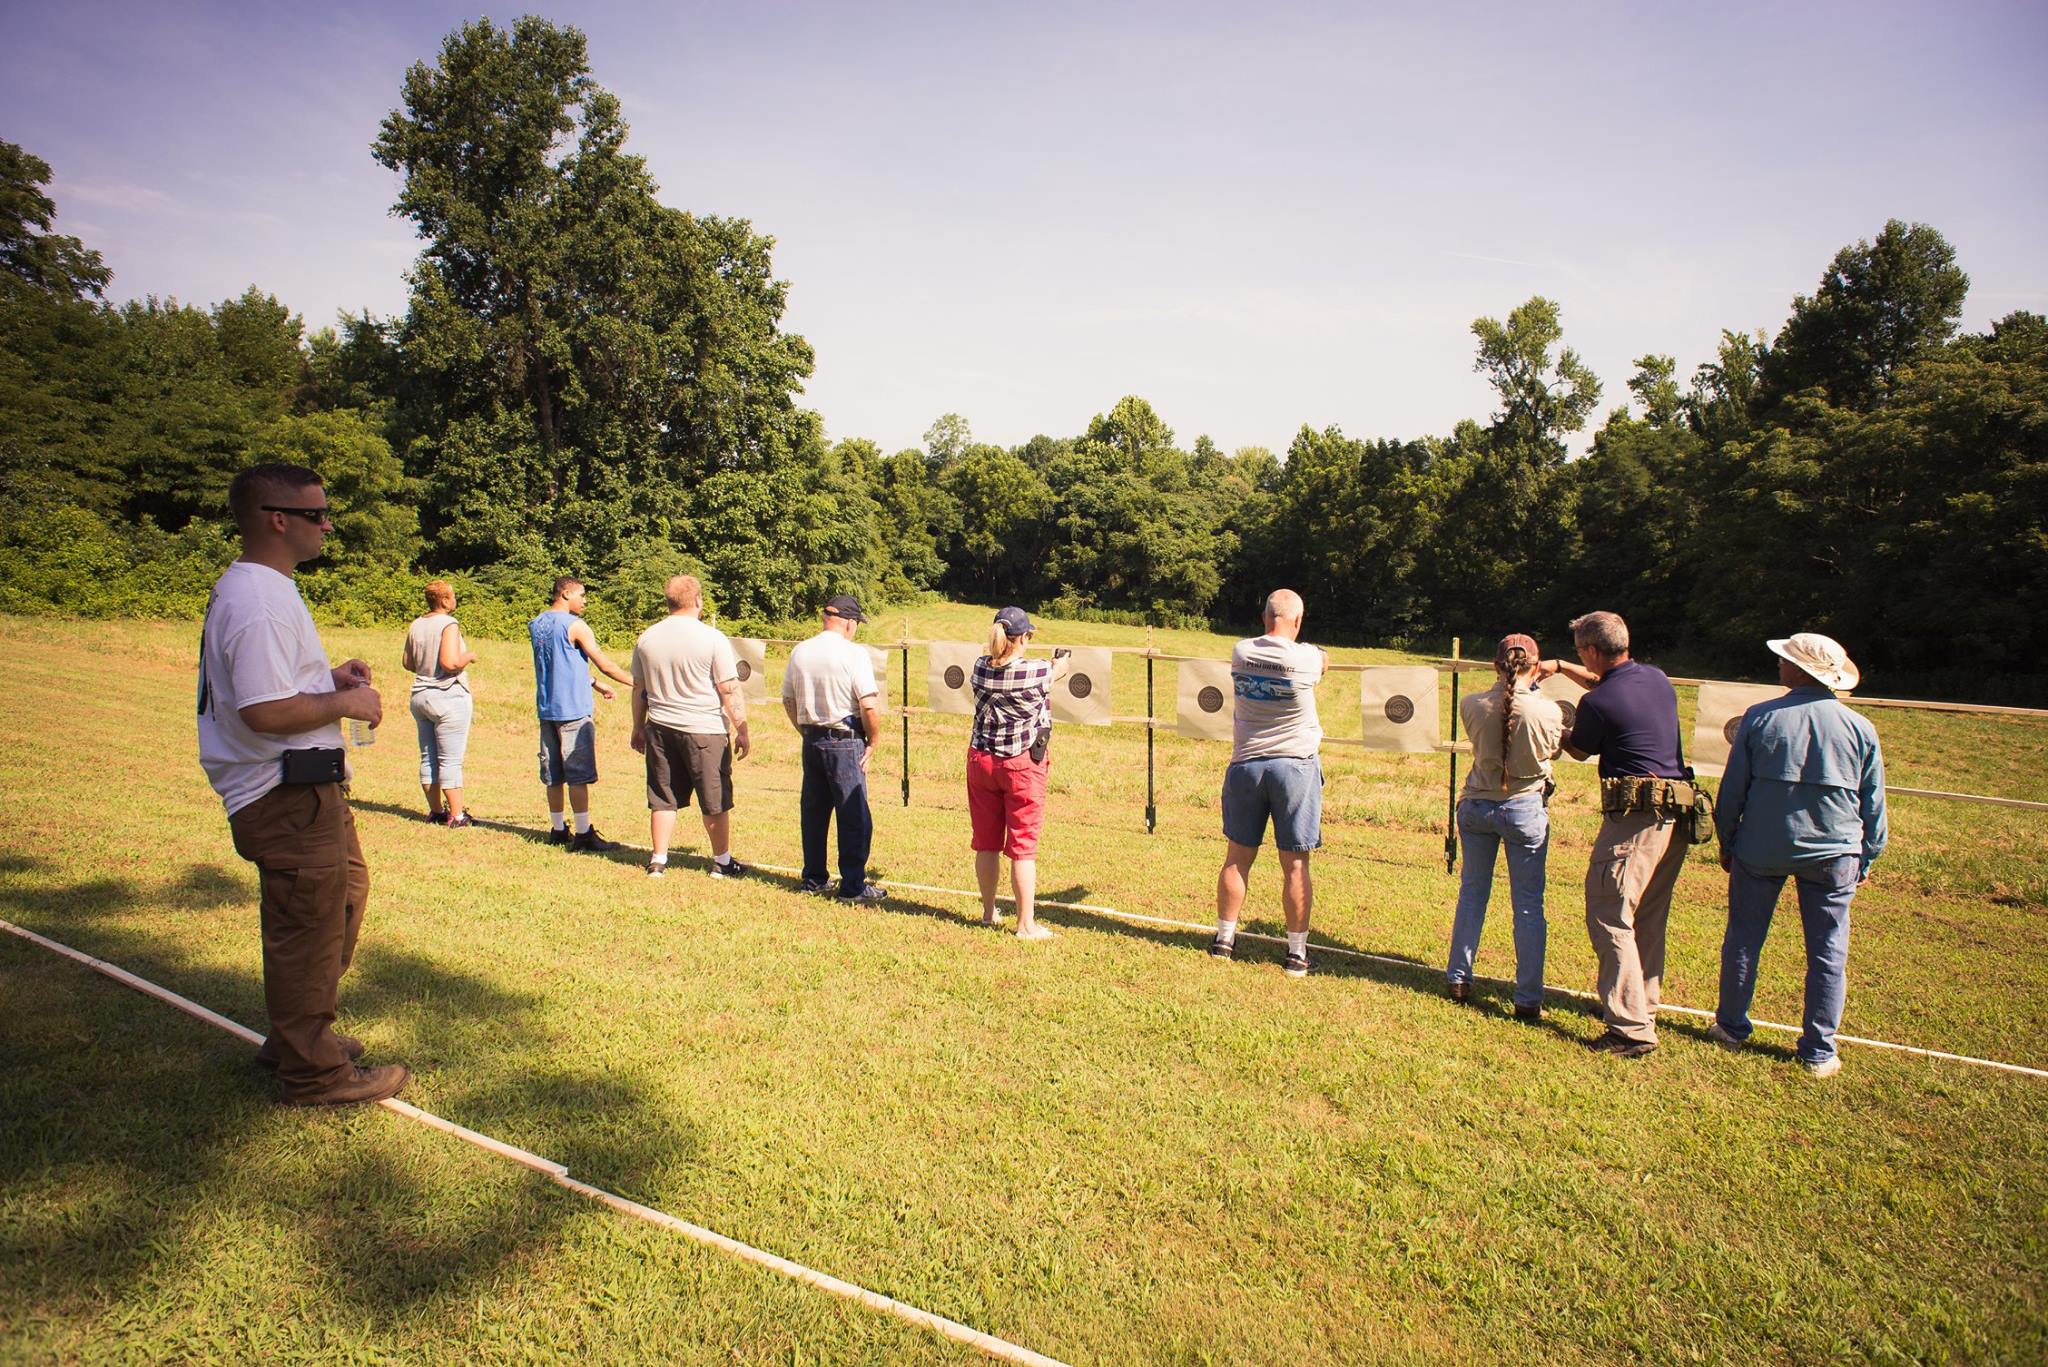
x: 259, y: 645
x: 827, y: 677
x: 1275, y: 716
x: 679, y: 663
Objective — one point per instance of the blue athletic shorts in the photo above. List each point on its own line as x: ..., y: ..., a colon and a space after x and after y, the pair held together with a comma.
x: 1289, y: 791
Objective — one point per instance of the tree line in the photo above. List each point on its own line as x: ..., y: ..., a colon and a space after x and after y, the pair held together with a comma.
x: 587, y: 380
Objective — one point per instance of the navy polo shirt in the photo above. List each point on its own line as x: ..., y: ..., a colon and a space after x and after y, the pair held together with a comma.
x: 1630, y: 720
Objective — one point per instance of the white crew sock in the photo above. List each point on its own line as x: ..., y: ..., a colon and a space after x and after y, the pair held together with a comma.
x: 725, y: 858
x: 555, y: 822
x: 583, y: 823
x: 661, y: 858
x: 1297, y: 942
x: 1226, y: 931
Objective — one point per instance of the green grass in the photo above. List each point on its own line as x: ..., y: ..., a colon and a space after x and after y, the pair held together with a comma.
x: 1108, y: 1148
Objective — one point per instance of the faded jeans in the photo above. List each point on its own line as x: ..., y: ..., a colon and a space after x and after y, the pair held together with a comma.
x: 1825, y: 888
x: 441, y: 715
x: 1521, y: 824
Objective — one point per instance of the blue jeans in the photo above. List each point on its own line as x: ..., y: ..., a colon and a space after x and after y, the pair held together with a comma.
x: 1285, y: 790
x: 835, y: 785
x: 1825, y: 887
x: 1522, y: 824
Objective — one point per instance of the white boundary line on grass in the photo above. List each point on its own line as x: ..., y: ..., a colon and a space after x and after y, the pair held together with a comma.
x: 963, y: 1334
x: 1209, y: 929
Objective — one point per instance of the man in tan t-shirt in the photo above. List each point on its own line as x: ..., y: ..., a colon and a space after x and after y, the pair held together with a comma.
x: 686, y: 696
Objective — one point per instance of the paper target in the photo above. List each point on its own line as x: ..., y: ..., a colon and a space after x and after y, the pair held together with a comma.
x: 950, y: 678
x: 1398, y: 708
x: 1717, y: 719
x: 1566, y: 694
x: 880, y: 660
x: 1205, y: 703
x: 750, y: 658
x: 1083, y: 695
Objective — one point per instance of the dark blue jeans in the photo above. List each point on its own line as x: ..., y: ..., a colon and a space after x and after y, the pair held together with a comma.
x: 1826, y: 887
x: 834, y: 784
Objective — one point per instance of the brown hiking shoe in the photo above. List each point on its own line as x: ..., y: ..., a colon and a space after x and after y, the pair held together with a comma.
x: 266, y: 1053
x: 367, y: 1085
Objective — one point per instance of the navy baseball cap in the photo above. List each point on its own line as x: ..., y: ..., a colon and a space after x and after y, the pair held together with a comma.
x: 847, y: 606
x: 1013, y: 621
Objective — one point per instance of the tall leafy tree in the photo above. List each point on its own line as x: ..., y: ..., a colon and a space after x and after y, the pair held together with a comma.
x: 30, y: 252
x: 1545, y: 396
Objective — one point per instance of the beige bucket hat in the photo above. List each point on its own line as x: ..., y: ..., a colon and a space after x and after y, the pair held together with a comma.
x: 1821, y: 656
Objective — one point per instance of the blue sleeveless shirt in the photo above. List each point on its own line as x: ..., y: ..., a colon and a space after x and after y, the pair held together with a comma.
x: 561, y: 677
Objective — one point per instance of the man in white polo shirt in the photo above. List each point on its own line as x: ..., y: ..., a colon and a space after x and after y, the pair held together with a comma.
x: 270, y: 712
x: 686, y: 692
x: 829, y: 692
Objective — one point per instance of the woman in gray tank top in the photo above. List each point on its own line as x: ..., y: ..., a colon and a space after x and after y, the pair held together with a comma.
x: 439, y: 660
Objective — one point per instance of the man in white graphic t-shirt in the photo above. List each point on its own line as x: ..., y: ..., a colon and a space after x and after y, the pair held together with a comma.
x: 270, y: 712
x: 1275, y: 774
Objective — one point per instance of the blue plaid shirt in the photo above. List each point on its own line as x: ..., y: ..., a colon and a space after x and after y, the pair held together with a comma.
x: 1010, y: 704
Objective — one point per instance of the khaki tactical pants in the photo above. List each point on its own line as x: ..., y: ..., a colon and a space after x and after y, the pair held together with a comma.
x: 1635, y: 864
x: 302, y: 840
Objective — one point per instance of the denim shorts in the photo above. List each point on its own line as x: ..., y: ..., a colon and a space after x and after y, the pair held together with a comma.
x: 1289, y: 791
x: 568, y: 751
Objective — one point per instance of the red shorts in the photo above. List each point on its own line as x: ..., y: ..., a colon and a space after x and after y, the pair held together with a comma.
x: 1006, y: 798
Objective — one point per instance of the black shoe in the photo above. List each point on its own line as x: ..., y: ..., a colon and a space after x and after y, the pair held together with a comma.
x: 1460, y: 992
x: 869, y: 892
x: 1529, y: 1013
x: 1295, y: 965
x: 438, y: 818
x: 731, y: 868
x: 1220, y: 948
x: 823, y: 887
x: 657, y: 868
x: 461, y: 823
x: 558, y: 835
x: 1621, y: 1046
x: 590, y: 842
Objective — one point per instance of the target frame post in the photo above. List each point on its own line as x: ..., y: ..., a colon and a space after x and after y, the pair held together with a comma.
x: 906, y: 711
x: 1151, y: 730
x: 1451, y: 793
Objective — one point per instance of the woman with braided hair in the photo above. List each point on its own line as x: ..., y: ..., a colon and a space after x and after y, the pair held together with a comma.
x: 1515, y: 735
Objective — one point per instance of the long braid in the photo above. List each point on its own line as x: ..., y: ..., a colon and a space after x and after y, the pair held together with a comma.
x: 1512, y: 669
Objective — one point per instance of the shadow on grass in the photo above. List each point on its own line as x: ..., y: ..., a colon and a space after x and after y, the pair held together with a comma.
x: 128, y: 1124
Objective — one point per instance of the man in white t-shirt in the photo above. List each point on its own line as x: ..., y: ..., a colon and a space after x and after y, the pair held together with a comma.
x: 686, y: 692
x: 270, y: 712
x: 829, y: 692
x: 1275, y: 774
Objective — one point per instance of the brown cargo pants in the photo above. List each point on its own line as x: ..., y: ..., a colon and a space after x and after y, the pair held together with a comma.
x: 302, y: 840
x: 1634, y: 869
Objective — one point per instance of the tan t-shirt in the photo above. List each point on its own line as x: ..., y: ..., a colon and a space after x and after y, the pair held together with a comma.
x: 679, y: 662
x: 1537, y: 737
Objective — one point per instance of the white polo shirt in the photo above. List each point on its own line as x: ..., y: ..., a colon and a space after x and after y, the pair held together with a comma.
x: 827, y: 677
x: 259, y: 644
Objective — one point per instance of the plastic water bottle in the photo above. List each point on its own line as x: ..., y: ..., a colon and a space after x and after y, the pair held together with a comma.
x: 361, y: 733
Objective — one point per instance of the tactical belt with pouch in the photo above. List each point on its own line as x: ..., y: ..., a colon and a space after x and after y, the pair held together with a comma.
x: 1665, y: 798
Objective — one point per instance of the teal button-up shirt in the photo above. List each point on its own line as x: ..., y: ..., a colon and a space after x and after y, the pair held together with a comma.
x: 1804, y: 783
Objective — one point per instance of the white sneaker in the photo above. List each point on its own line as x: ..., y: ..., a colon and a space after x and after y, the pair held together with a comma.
x: 1826, y: 1067
x: 1722, y: 1037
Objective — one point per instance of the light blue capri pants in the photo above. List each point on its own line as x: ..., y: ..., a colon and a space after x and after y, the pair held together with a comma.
x: 442, y: 716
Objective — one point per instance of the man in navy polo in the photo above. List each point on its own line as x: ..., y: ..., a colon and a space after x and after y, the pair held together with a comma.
x: 1630, y: 720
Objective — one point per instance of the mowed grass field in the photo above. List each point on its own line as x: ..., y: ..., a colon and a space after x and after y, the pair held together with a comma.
x: 1108, y: 1147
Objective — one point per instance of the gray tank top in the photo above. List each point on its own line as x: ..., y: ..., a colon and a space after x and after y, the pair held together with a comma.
x: 423, y: 647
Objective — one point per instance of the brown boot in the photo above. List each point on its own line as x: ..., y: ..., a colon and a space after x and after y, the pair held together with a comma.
x: 266, y: 1053
x: 367, y: 1085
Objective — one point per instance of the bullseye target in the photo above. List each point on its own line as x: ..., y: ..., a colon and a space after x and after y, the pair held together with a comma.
x: 1082, y: 696
x: 1398, y: 708
x: 1204, y: 702
x: 951, y: 676
x: 750, y: 662
x: 1719, y: 718
x: 1566, y: 694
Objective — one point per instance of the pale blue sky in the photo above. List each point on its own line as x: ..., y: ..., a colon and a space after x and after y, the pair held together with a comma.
x: 1255, y: 217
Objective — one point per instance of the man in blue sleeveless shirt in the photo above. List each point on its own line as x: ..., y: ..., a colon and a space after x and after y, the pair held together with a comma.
x: 1802, y: 798
x: 563, y: 651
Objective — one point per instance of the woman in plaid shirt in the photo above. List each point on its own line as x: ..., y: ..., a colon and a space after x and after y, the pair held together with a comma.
x: 1007, y: 764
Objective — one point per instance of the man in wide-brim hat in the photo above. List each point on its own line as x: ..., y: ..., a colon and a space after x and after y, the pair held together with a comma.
x: 1802, y: 798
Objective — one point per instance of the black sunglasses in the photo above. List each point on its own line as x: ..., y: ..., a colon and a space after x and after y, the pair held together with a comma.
x: 310, y: 514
